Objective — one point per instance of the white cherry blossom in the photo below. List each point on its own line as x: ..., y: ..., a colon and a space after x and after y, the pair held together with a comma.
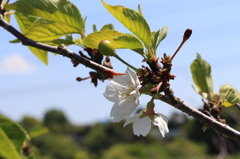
x: 124, y: 92
x: 142, y: 123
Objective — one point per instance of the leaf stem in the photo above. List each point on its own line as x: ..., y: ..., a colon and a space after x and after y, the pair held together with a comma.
x: 120, y: 59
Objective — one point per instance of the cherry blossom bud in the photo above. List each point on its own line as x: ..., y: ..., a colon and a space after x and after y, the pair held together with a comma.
x: 187, y: 33
x: 153, y: 90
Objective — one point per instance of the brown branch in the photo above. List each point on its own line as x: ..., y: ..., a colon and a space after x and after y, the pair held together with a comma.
x: 61, y: 49
x: 221, y: 128
x: 168, y: 97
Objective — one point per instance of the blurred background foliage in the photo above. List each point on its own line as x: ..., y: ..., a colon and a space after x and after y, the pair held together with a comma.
x: 60, y: 139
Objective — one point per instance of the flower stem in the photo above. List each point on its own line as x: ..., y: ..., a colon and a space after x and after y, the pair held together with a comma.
x: 120, y: 59
x: 186, y: 36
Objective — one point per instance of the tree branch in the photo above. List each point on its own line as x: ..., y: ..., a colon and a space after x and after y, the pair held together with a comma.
x: 61, y: 49
x: 167, y: 98
x: 219, y: 127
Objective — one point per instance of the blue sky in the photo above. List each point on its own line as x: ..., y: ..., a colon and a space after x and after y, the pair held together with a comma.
x: 28, y: 87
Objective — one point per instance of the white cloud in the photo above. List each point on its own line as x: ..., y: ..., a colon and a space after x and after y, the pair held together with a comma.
x: 15, y: 63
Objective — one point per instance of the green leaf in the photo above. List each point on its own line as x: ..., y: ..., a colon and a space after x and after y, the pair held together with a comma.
x: 107, y: 27
x: 131, y: 42
x: 229, y: 95
x: 43, y: 30
x: 41, y: 54
x: 201, y: 75
x: 7, y: 149
x: 24, y: 21
x: 15, y: 133
x: 93, y: 39
x: 132, y: 20
x: 61, y: 11
x: 62, y: 41
x: 94, y: 27
x: 47, y: 20
x: 140, y: 10
x: 162, y: 35
x: 118, y: 39
x: 157, y: 37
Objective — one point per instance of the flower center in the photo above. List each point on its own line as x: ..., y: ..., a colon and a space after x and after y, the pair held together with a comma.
x: 127, y: 92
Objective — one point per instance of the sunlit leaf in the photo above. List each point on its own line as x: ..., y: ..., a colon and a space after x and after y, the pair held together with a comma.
x: 201, y: 75
x: 7, y: 149
x: 229, y: 95
x: 118, y: 39
x: 93, y: 39
x: 41, y: 54
x: 161, y: 35
x: 47, y: 20
x: 130, y: 42
x: 107, y: 27
x: 132, y: 20
x: 61, y: 11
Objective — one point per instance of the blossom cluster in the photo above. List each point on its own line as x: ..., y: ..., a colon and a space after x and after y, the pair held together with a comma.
x: 124, y: 92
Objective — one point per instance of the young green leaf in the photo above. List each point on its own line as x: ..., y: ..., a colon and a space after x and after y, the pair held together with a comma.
x: 7, y: 149
x: 118, y: 39
x: 132, y: 20
x: 107, y: 27
x: 162, y: 35
x: 157, y: 37
x: 94, y: 27
x: 229, y: 95
x: 201, y: 75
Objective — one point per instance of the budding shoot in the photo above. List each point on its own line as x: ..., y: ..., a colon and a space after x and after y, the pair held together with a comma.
x: 186, y: 36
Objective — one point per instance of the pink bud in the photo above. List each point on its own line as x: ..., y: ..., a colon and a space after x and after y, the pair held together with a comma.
x: 153, y: 90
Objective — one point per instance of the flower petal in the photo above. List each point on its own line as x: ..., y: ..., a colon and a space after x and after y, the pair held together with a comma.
x: 111, y: 94
x: 162, y: 125
x: 118, y: 117
x: 132, y: 119
x: 142, y: 126
x: 132, y: 77
x: 121, y: 80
